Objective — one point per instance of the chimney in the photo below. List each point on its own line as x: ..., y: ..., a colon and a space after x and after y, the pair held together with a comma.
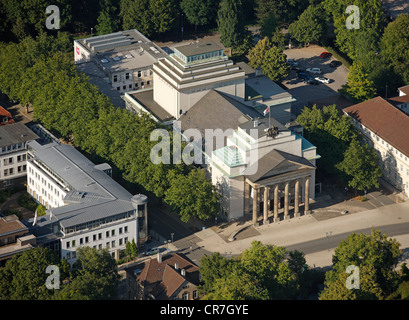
x: 159, y: 257
x: 176, y: 266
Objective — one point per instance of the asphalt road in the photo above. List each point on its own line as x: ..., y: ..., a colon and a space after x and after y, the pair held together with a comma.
x: 332, y: 241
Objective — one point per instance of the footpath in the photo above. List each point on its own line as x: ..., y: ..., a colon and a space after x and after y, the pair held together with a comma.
x: 296, y: 231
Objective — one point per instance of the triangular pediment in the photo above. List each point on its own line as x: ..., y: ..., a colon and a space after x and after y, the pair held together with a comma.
x: 276, y: 163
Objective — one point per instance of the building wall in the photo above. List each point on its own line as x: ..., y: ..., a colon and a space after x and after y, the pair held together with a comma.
x: 165, y: 95
x: 43, y: 187
x: 13, y: 164
x: 112, y: 236
x: 394, y: 164
x: 81, y: 54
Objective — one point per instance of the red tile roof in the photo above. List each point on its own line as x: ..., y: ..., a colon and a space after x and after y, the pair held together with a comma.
x: 385, y: 120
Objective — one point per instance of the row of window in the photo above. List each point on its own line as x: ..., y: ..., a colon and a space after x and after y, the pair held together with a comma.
x: 15, y: 146
x: 128, y: 75
x: 9, y: 172
x: 136, y: 85
x: 108, y: 245
x: 95, y: 237
x: 20, y: 158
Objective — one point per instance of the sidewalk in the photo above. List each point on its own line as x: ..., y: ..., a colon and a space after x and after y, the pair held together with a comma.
x: 307, y: 228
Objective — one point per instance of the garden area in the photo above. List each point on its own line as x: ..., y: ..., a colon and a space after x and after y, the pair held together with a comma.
x: 17, y: 201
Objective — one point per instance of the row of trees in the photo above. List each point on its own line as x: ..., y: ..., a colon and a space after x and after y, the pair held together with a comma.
x: 93, y: 277
x: 40, y: 72
x: 343, y: 153
x: 265, y: 272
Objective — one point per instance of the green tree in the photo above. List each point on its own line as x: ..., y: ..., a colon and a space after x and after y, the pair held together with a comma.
x: 108, y: 21
x: 275, y: 64
x: 193, y: 196
x: 131, y: 249
x: 164, y: 12
x: 375, y: 255
x: 257, y: 54
x: 200, y: 13
x: 231, y: 23
x: 310, y: 26
x: 395, y: 46
x: 136, y: 14
x: 361, y: 164
x: 371, y: 17
x: 24, y: 276
x: 359, y: 87
x: 95, y: 277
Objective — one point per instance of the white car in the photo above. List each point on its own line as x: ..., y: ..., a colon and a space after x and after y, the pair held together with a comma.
x: 322, y: 79
x: 314, y: 70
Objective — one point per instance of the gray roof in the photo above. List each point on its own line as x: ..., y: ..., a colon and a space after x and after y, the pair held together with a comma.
x: 275, y: 163
x: 93, y: 194
x: 261, y: 124
x: 15, y: 133
x: 198, y: 47
x: 216, y: 110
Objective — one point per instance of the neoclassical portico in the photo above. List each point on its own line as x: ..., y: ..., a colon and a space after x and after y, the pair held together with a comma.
x: 283, y: 189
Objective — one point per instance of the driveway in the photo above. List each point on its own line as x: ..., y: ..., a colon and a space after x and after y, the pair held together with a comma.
x: 305, y: 93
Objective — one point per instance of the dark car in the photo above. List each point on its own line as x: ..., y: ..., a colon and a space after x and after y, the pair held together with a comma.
x: 335, y: 64
x: 312, y: 81
x: 304, y: 76
x: 325, y: 55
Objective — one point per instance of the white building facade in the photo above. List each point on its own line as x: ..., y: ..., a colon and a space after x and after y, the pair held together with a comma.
x: 85, y: 206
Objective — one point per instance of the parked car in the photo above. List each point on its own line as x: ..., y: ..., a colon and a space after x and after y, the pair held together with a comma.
x: 304, y: 76
x: 335, y: 64
x: 292, y: 62
x: 322, y: 79
x: 151, y: 251
x: 325, y: 55
x: 314, y: 70
x: 312, y: 81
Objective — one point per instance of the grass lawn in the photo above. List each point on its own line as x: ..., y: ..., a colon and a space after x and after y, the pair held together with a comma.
x: 26, y: 201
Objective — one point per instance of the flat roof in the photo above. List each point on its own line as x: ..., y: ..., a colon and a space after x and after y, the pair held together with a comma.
x: 123, y: 50
x: 198, y: 47
x: 145, y: 98
x: 15, y: 133
x: 10, y: 225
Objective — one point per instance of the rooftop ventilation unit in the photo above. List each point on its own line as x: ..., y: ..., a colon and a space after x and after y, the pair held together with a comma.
x: 116, y: 58
x: 104, y: 61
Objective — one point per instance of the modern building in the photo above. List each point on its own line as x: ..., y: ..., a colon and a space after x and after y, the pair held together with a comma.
x: 259, y: 165
x: 14, y: 238
x: 118, y: 62
x: 384, y: 126
x: 86, y: 207
x: 13, y: 153
x: 166, y: 277
x: 185, y: 76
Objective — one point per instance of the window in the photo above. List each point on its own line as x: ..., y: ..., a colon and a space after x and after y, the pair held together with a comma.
x: 94, y: 237
x: 113, y: 244
x: 139, y: 74
x: 81, y: 241
x: 73, y: 243
x: 127, y: 75
x: 194, y: 294
x: 126, y: 229
x: 185, y: 296
x: 118, y: 88
x: 68, y: 244
x: 68, y: 255
x: 112, y: 233
x: 99, y: 236
x: 124, y: 87
x: 120, y: 242
x: 115, y: 78
x: 120, y: 230
x: 148, y: 82
x: 107, y: 234
x: 86, y: 239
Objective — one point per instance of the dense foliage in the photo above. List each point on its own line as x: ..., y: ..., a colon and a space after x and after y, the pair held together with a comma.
x: 343, y: 152
x: 39, y: 71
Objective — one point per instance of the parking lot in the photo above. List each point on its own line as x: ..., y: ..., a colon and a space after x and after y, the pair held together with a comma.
x: 309, y: 57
